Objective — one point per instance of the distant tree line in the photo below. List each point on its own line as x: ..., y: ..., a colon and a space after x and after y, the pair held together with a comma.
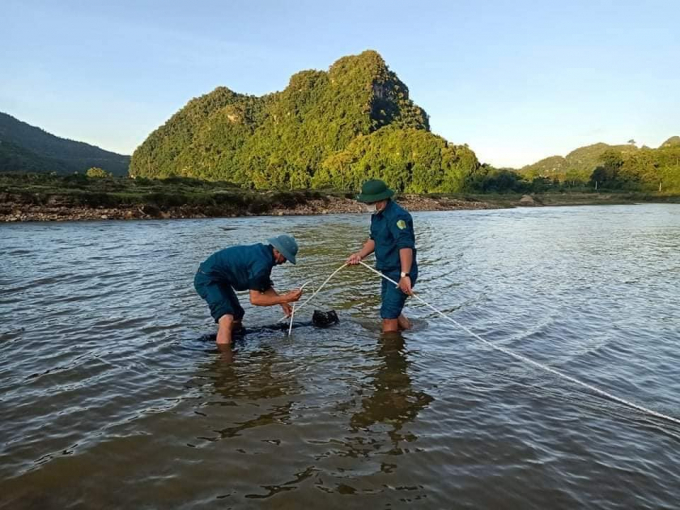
x: 612, y: 168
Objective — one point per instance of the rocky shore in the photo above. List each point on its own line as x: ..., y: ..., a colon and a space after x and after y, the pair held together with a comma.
x: 13, y: 209
x: 26, y: 207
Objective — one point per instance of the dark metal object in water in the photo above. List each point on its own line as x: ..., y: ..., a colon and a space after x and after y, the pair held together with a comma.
x: 319, y: 320
x: 325, y: 319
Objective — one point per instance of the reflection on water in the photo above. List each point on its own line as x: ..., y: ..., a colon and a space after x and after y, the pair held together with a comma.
x: 254, y: 384
x: 392, y: 399
x: 112, y: 394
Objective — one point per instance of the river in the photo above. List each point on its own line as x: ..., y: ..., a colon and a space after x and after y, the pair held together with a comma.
x: 112, y: 394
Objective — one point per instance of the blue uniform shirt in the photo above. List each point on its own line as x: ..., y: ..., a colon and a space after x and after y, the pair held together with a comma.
x: 242, y: 267
x: 392, y: 230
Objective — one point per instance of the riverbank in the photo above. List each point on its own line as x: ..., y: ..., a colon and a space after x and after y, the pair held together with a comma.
x: 70, y: 198
x: 60, y: 208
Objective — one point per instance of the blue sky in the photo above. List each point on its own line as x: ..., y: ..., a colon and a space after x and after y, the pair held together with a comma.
x: 517, y: 81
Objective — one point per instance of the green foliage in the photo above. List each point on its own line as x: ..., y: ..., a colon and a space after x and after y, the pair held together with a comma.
x: 575, y: 169
x: 160, y: 154
x: 608, y: 175
x: 407, y: 159
x: 673, y: 141
x: 14, y: 158
x: 25, y: 148
x: 286, y: 139
x: 655, y: 169
x: 644, y: 170
x: 492, y: 180
x: 97, y: 173
x: 606, y: 167
x: 151, y: 195
x: 553, y: 166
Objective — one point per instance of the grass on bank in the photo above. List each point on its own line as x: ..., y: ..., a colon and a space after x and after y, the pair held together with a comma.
x: 220, y: 198
x: 213, y: 198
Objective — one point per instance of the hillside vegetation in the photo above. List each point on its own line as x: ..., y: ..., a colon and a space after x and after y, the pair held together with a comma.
x: 27, y: 149
x: 332, y: 128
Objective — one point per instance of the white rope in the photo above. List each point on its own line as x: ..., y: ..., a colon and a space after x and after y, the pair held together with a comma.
x: 292, y: 313
x: 493, y: 346
x: 315, y: 292
x: 530, y: 361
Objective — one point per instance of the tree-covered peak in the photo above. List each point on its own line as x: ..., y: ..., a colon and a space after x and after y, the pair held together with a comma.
x: 673, y: 141
x: 367, y: 65
x: 283, y: 139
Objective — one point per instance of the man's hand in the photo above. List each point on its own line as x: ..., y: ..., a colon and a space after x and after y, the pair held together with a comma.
x: 287, y: 309
x: 293, y: 295
x: 354, y: 259
x: 405, y: 285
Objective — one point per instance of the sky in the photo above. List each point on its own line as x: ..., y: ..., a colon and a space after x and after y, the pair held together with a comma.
x: 515, y: 80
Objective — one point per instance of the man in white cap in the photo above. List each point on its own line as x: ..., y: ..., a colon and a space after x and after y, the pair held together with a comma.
x: 244, y: 268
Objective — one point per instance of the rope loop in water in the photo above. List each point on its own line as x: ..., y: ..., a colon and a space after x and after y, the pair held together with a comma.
x: 504, y: 350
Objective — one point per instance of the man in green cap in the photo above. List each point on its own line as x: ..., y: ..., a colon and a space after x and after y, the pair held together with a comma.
x: 244, y: 268
x: 393, y: 241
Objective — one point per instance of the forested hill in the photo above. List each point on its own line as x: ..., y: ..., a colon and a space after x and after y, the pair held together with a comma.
x: 332, y: 128
x: 26, y: 148
x: 577, y: 165
x: 603, y: 166
x: 673, y: 141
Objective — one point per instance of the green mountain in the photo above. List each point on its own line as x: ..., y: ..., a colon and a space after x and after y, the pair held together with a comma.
x: 25, y: 148
x: 603, y: 166
x: 578, y: 165
x: 673, y: 141
x: 14, y: 158
x: 326, y: 128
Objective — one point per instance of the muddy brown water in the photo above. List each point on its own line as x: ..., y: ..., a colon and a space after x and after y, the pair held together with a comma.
x: 111, y: 396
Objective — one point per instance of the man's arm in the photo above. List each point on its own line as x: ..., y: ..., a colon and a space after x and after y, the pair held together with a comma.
x: 355, y: 258
x: 402, y: 231
x: 270, y: 297
x: 270, y: 293
x: 406, y: 259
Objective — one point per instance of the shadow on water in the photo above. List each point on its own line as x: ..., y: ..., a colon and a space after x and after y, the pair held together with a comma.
x: 261, y: 383
x: 394, y: 401
x: 250, y: 387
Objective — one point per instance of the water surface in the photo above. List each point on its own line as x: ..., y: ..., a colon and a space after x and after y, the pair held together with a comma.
x: 110, y: 396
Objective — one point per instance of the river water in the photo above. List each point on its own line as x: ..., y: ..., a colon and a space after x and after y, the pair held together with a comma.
x: 112, y: 394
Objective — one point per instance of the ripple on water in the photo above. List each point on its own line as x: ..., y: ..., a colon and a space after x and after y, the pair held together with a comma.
x: 113, y: 394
